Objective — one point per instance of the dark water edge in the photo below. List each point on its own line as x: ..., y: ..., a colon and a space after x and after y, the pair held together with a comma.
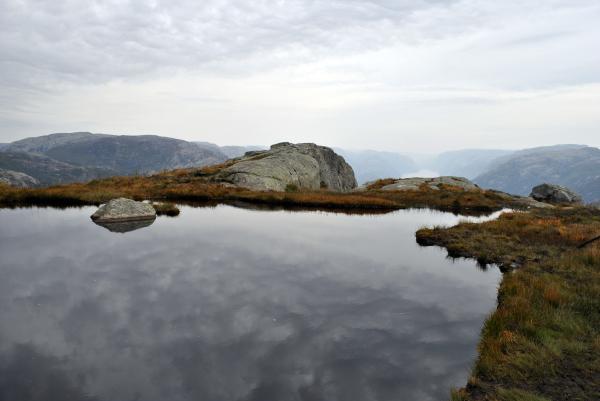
x: 225, y: 303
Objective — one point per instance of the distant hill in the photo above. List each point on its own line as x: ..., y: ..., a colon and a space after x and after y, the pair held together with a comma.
x: 136, y: 154
x: 46, y: 171
x: 230, y: 151
x: 371, y: 165
x: 467, y: 163
x: 3, y: 145
x: 237, y: 151
x: 574, y: 166
x: 81, y: 156
x: 41, y: 144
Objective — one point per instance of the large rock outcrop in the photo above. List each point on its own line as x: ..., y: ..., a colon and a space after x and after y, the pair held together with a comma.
x: 552, y: 193
x: 290, y: 166
x: 123, y: 209
x: 17, y: 179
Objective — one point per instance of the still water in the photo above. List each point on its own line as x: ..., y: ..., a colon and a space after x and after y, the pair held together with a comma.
x: 233, y: 304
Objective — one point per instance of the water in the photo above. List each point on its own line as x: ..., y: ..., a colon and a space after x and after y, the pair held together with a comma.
x: 232, y: 304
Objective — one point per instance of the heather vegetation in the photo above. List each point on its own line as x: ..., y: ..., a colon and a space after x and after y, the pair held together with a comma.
x: 193, y: 185
x: 543, y: 341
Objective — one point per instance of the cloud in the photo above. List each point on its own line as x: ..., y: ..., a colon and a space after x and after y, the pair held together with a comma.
x: 302, y: 55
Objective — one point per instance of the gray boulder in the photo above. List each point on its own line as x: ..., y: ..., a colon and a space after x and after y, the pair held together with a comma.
x: 415, y: 183
x: 123, y: 209
x: 17, y: 179
x: 552, y: 193
x: 286, y: 165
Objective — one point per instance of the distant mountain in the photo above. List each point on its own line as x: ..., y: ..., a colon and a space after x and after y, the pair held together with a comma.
x: 122, y: 153
x: 237, y: 151
x: 136, y: 154
x: 230, y: 151
x: 3, y: 145
x: 41, y: 144
x: 46, y: 171
x: 574, y: 166
x: 467, y: 163
x: 82, y: 156
x: 371, y: 165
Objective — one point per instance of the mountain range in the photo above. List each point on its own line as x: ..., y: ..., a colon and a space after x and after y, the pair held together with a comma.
x: 82, y: 156
x: 574, y: 166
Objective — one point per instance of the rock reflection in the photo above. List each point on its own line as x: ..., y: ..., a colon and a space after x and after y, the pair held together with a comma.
x: 126, y: 226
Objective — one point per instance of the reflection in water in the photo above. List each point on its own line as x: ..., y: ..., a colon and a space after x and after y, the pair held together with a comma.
x: 125, y: 226
x: 232, y: 304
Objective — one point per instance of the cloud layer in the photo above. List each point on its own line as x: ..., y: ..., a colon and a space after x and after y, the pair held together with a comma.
x: 329, y: 71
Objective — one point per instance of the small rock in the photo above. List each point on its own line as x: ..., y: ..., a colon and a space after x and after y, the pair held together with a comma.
x: 123, y: 209
x: 553, y: 193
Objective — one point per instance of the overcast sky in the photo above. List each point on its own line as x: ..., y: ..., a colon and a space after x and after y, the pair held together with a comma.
x: 404, y: 75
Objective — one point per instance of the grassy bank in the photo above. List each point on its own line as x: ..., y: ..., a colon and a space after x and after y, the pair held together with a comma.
x: 191, y: 185
x: 543, y: 341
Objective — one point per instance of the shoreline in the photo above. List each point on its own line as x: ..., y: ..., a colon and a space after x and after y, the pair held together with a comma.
x: 543, y: 318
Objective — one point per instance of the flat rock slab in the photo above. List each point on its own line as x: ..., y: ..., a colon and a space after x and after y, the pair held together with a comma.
x: 436, y: 183
x: 123, y: 209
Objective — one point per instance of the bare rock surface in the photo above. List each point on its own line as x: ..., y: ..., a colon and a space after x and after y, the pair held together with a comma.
x: 552, y: 193
x: 436, y: 183
x: 17, y: 179
x: 290, y: 166
x: 123, y: 209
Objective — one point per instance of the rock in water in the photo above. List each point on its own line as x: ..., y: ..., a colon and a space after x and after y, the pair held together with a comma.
x: 123, y: 209
x: 552, y: 193
x: 290, y: 166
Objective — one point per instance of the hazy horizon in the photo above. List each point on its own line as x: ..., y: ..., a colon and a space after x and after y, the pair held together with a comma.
x: 412, y: 76
x: 347, y: 149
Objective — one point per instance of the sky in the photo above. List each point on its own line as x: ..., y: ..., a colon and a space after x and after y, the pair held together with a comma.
x: 398, y: 75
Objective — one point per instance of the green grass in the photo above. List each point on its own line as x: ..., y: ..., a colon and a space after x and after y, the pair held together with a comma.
x: 543, y: 340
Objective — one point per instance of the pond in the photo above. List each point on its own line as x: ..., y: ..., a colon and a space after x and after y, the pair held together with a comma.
x: 225, y: 303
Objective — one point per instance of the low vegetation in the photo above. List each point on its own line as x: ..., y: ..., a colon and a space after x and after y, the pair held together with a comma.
x: 166, y: 209
x: 192, y: 185
x: 543, y: 341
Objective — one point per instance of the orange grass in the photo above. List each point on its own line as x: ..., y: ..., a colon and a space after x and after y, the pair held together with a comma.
x: 193, y: 185
x: 543, y: 340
